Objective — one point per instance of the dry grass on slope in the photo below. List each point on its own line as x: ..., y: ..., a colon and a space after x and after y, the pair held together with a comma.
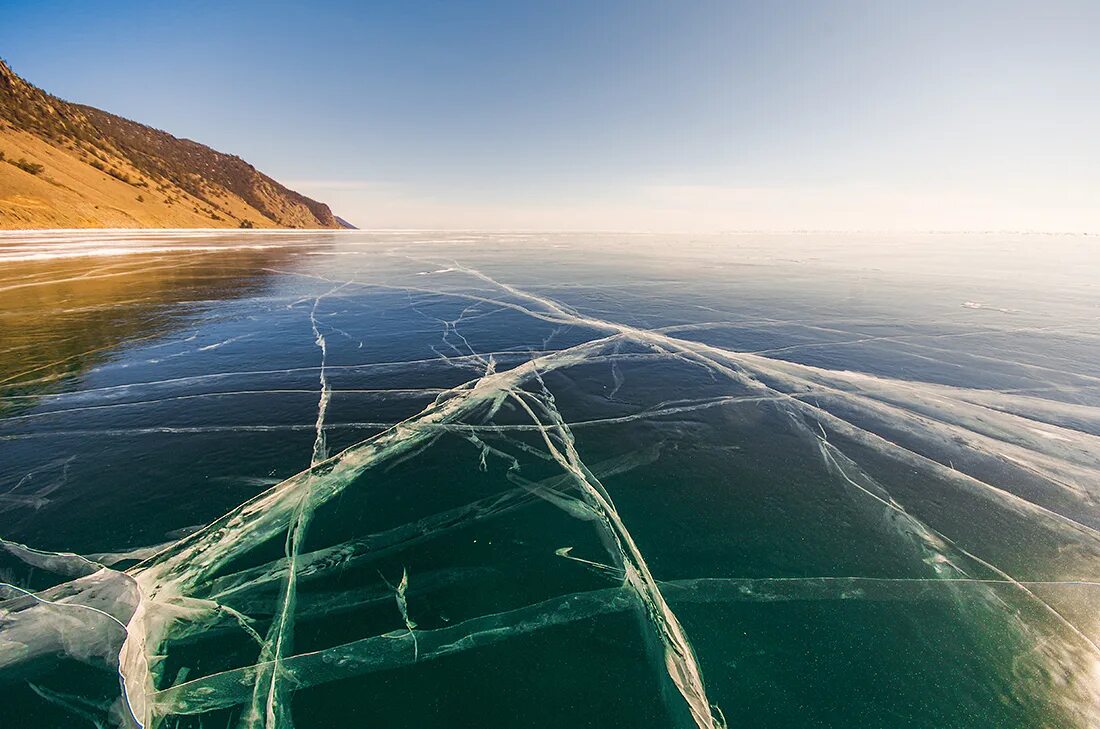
x: 69, y: 165
x: 70, y: 193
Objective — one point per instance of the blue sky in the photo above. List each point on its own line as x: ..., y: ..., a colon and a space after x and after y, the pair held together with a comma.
x: 623, y: 115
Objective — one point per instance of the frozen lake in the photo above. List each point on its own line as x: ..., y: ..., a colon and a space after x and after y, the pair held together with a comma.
x: 420, y: 479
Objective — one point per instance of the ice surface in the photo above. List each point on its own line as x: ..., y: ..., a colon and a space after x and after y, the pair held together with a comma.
x: 493, y: 462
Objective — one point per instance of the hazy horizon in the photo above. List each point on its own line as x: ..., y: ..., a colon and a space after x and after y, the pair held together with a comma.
x: 614, y: 116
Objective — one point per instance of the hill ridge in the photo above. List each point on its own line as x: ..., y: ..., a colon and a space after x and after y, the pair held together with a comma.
x: 75, y: 166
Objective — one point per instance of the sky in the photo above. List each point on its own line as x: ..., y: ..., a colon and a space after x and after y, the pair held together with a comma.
x: 600, y: 114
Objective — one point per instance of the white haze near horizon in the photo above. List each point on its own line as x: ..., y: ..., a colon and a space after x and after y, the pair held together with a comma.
x: 708, y: 209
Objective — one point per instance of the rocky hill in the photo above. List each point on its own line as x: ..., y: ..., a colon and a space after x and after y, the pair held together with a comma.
x: 66, y: 165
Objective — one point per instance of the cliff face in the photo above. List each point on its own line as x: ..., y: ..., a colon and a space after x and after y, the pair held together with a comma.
x: 68, y: 165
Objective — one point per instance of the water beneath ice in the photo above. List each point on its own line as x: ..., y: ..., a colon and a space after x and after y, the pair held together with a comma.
x: 507, y: 480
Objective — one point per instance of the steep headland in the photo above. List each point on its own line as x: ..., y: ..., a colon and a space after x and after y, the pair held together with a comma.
x: 66, y: 165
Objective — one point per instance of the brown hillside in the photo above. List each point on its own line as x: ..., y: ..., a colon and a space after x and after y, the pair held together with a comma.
x: 65, y: 165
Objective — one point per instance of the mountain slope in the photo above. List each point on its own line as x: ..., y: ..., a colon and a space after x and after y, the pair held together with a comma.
x: 66, y: 165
